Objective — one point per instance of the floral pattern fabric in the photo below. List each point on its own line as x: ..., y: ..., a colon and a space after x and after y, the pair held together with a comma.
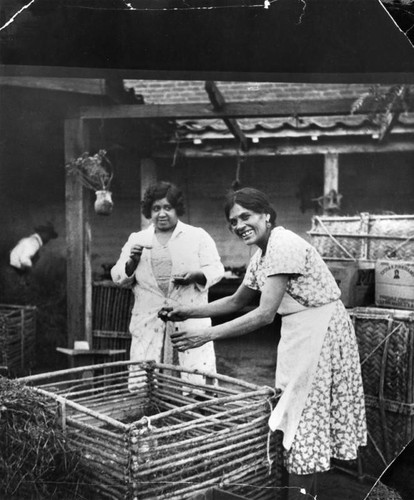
x: 333, y: 421
x: 310, y: 282
x: 332, y: 424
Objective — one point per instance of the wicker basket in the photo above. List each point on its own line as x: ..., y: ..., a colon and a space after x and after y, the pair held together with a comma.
x: 169, y: 438
x: 17, y: 338
x: 365, y: 238
x: 111, y: 313
x: 386, y: 345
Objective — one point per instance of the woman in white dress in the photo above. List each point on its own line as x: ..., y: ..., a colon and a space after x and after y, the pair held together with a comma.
x: 321, y: 410
x: 170, y: 262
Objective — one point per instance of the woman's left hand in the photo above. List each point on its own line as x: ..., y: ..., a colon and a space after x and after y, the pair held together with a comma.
x: 189, y: 339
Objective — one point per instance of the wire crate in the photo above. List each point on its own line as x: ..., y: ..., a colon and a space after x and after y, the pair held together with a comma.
x: 168, y: 438
x: 364, y: 238
x: 17, y: 338
x: 386, y: 346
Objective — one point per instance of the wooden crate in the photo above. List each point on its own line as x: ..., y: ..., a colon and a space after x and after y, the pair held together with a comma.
x: 103, y: 339
x: 364, y: 238
x: 168, y: 438
x: 386, y: 345
x: 111, y: 307
x: 17, y: 338
x: 111, y: 314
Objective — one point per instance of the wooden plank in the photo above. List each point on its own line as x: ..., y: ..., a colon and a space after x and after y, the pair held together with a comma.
x: 331, y: 199
x: 77, y: 240
x: 148, y: 177
x: 331, y: 172
x: 292, y: 107
x: 77, y: 85
x: 287, y: 147
x: 219, y: 104
x: 87, y: 274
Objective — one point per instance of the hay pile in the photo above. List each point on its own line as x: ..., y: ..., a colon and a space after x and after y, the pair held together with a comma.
x: 35, y: 460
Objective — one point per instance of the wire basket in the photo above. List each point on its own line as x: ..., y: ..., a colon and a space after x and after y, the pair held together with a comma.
x: 17, y: 338
x: 169, y: 438
x: 386, y: 346
x: 365, y: 237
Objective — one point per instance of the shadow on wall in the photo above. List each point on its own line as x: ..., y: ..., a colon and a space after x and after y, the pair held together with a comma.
x: 44, y: 286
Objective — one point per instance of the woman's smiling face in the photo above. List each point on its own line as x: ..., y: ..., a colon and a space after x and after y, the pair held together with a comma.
x: 249, y: 226
x: 163, y: 215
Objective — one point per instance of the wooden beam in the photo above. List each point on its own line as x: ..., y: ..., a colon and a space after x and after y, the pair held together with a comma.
x: 258, y: 109
x: 78, y: 240
x: 331, y: 173
x: 75, y: 85
x: 148, y: 177
x: 331, y: 199
x: 219, y: 104
x: 287, y: 147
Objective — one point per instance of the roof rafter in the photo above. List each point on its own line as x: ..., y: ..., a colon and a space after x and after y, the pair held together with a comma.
x: 219, y: 104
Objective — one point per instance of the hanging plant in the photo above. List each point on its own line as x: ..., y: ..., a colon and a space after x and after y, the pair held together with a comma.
x: 384, y: 106
x: 95, y: 173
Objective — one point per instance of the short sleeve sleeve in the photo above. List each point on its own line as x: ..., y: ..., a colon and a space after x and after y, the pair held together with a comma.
x: 250, y: 279
x: 286, y: 253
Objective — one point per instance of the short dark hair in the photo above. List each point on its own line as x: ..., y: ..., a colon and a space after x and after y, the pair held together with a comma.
x: 160, y: 190
x: 252, y: 199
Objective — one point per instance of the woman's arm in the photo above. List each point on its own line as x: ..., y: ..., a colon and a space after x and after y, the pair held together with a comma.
x: 264, y: 314
x: 242, y: 297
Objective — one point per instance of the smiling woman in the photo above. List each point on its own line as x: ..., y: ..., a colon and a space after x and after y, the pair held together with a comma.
x: 321, y: 410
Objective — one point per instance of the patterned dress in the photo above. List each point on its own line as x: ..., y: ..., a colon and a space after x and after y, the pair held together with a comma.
x: 332, y: 424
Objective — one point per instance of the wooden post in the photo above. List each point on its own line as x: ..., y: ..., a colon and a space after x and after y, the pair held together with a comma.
x: 331, y: 173
x: 331, y: 178
x: 148, y: 177
x: 78, y: 236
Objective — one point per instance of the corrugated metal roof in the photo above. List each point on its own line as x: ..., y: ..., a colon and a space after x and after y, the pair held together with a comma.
x: 291, y: 126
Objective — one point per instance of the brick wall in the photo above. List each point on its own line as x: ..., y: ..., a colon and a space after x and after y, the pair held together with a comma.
x: 178, y: 91
x: 364, y: 183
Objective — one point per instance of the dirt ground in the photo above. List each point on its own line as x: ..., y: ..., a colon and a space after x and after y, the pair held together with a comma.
x: 253, y: 359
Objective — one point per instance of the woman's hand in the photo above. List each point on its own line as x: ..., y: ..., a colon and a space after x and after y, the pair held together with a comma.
x: 134, y: 258
x: 176, y: 313
x: 189, y: 339
x: 190, y: 277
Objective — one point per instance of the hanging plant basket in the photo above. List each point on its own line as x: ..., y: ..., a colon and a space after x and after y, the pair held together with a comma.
x: 95, y: 173
x: 103, y: 204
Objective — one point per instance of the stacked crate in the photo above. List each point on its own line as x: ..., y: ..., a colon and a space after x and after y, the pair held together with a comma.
x: 385, y: 336
x: 17, y: 338
x: 386, y: 345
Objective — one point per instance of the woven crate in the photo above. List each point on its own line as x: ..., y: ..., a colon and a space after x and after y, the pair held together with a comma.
x: 111, y: 307
x: 111, y: 314
x: 170, y: 438
x: 386, y: 345
x: 365, y: 238
x: 17, y: 338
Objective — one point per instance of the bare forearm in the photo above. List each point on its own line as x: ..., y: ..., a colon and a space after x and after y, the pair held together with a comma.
x: 242, y: 325
x: 220, y: 307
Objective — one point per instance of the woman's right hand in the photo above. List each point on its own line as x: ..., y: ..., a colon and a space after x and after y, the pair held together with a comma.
x: 134, y: 258
x: 176, y: 313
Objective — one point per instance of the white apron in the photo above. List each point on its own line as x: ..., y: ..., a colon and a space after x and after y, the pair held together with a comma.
x: 302, y: 335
